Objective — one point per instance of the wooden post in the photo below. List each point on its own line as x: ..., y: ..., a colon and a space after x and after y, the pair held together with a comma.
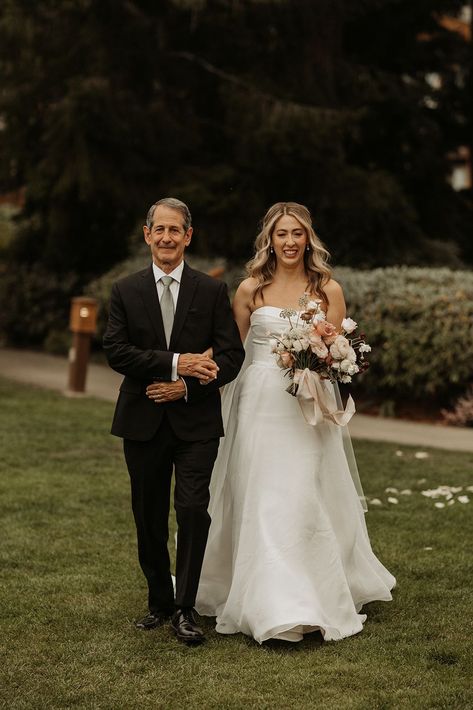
x: 82, y: 323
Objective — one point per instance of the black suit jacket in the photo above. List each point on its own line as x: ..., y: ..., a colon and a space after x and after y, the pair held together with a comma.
x: 135, y: 346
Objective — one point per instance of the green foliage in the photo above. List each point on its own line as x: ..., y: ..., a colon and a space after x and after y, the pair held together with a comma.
x: 82, y: 128
x: 35, y: 302
x: 101, y: 288
x: 233, y: 106
x: 72, y: 586
x: 7, y: 227
x: 419, y: 324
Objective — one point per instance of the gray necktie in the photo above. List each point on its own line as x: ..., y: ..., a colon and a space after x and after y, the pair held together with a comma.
x: 167, y: 307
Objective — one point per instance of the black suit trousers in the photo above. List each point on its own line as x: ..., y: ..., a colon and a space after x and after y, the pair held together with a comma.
x: 150, y: 465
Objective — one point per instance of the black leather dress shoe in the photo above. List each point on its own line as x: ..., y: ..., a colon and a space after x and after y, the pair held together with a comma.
x: 153, y: 620
x: 185, y: 626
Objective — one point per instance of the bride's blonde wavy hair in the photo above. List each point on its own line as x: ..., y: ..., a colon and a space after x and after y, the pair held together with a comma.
x: 262, y: 266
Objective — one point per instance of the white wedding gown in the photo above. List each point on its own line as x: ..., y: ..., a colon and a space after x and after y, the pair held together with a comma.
x: 288, y: 550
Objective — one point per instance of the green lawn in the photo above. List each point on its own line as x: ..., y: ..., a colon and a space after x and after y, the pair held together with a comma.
x: 71, y: 587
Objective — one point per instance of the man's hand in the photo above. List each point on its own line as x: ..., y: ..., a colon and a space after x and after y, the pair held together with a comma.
x: 166, y: 391
x: 199, y: 365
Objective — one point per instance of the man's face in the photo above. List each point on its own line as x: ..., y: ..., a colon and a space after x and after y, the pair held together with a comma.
x: 167, y: 238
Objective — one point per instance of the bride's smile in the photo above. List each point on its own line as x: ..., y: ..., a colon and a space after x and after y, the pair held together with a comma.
x: 289, y: 241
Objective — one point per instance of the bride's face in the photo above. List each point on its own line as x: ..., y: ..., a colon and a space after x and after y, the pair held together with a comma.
x: 289, y: 240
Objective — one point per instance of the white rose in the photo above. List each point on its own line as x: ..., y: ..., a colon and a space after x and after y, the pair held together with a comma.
x: 335, y: 365
x: 304, y: 342
x: 345, y: 366
x: 349, y: 325
x: 365, y: 348
x: 340, y: 348
x: 297, y: 346
x: 351, y: 355
x: 350, y: 368
x: 346, y: 379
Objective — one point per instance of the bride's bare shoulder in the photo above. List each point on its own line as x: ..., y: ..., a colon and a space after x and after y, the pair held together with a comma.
x: 248, y: 285
x: 246, y: 289
x: 243, y: 301
x: 333, y: 290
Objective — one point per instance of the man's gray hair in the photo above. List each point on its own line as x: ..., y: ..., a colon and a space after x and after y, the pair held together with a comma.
x: 174, y: 204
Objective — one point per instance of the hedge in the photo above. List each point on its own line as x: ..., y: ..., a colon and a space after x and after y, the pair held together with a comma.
x: 419, y: 323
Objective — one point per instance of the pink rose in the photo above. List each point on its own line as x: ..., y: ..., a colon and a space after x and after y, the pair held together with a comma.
x: 326, y: 330
x: 318, y: 346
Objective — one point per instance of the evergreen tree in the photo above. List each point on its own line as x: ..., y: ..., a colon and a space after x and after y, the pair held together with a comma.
x: 82, y: 120
x: 232, y: 106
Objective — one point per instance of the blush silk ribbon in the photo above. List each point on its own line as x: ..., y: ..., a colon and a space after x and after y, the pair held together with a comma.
x: 316, y: 400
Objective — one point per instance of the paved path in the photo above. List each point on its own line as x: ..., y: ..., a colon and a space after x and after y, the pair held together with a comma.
x: 102, y: 382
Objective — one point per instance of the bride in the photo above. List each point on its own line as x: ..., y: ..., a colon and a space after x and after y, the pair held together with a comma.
x: 288, y: 551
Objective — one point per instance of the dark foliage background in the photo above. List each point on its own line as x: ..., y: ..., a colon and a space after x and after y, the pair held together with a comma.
x: 231, y: 106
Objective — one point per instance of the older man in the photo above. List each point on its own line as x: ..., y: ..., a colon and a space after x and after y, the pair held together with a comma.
x: 172, y: 335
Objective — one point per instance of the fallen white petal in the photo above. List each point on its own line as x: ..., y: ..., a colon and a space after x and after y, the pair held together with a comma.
x: 439, y: 505
x: 428, y: 548
x: 391, y: 490
x: 399, y: 453
x: 421, y: 481
x: 469, y: 488
x: 463, y: 499
x: 431, y: 493
x: 406, y: 492
x: 421, y: 455
x: 394, y: 501
x: 375, y: 501
x: 451, y: 502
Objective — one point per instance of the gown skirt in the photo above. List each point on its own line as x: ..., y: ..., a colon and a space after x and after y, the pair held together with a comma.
x: 288, y: 550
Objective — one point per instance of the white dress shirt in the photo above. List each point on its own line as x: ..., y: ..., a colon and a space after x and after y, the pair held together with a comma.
x: 174, y: 288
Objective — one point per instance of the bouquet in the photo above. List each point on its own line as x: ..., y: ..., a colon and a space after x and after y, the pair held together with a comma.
x: 312, y: 349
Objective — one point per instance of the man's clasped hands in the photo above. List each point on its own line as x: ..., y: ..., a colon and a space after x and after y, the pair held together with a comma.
x: 198, y: 365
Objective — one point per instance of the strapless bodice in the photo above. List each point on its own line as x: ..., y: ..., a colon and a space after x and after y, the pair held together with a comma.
x: 265, y: 325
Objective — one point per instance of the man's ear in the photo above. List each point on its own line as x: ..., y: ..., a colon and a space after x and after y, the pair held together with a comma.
x: 188, y: 236
x: 147, y: 235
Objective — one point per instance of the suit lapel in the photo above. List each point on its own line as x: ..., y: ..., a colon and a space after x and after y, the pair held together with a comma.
x: 186, y: 294
x: 149, y: 293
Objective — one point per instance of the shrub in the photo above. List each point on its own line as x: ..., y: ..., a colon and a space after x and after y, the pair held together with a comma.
x: 419, y: 323
x: 462, y: 414
x: 101, y: 288
x: 34, y: 303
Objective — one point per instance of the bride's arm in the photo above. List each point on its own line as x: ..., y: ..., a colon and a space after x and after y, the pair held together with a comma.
x: 242, y: 306
x: 337, y: 309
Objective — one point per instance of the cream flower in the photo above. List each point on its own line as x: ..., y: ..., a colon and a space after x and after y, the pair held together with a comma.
x: 349, y: 325
x: 349, y: 367
x: 298, y: 346
x: 340, y: 348
x: 313, y: 305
